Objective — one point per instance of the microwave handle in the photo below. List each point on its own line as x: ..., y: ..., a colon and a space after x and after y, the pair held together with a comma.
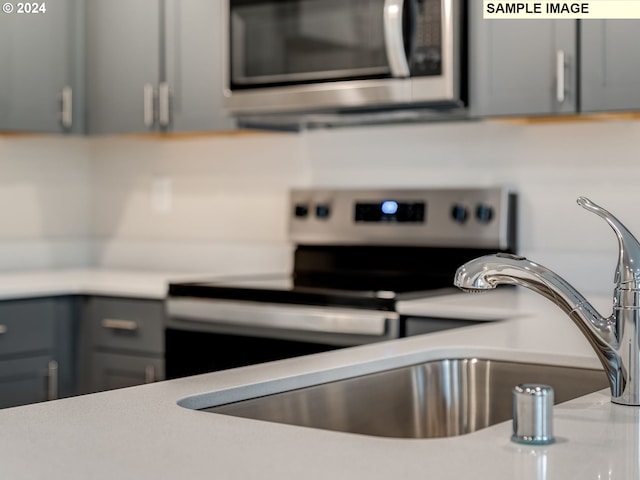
x: 394, y: 38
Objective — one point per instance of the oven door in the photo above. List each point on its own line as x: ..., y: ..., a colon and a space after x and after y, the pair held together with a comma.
x: 192, y: 352
x: 205, y: 335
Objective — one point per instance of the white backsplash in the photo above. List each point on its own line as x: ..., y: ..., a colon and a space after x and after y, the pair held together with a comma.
x: 212, y: 204
x: 45, y: 202
x: 549, y: 165
x: 219, y: 203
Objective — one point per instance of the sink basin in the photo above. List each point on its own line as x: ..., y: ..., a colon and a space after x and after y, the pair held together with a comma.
x: 435, y: 399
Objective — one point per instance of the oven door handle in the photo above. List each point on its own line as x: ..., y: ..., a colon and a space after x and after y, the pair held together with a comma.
x: 281, y: 316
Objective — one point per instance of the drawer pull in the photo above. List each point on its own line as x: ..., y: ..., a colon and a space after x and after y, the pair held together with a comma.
x: 3, y: 329
x: 116, y: 324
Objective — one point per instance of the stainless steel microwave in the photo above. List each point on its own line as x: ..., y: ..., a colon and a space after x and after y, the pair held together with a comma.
x: 334, y: 55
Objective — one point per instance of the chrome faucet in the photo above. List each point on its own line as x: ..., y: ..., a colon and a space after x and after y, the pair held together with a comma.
x: 616, y: 339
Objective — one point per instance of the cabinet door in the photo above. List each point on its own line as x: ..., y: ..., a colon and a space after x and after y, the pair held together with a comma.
x: 521, y: 67
x: 193, y: 60
x: 111, y: 370
x: 27, y: 380
x: 41, y: 86
x: 610, y: 65
x: 123, y: 59
x: 33, y: 328
x: 26, y: 327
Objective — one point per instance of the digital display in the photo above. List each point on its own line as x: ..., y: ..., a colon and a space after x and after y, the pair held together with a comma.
x: 389, y: 207
x: 390, y: 211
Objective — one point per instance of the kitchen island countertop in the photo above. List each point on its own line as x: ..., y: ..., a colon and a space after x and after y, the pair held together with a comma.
x: 141, y: 432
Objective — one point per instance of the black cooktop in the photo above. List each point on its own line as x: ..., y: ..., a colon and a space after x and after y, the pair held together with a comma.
x: 285, y: 289
x: 358, y: 277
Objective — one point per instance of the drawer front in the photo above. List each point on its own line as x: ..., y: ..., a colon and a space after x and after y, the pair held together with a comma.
x: 127, y: 324
x: 27, y: 326
x: 112, y: 370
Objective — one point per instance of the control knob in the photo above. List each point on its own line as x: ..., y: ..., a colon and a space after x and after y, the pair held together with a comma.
x: 323, y: 211
x: 484, y: 213
x: 301, y: 210
x: 459, y: 213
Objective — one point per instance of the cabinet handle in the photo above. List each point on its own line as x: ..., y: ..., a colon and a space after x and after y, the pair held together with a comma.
x: 164, y: 104
x: 149, y: 374
x: 560, y: 76
x: 116, y: 324
x: 66, y: 113
x: 52, y: 380
x: 3, y: 329
x: 149, y: 100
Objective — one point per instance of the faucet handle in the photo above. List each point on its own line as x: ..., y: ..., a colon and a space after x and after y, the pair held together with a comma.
x: 628, y: 269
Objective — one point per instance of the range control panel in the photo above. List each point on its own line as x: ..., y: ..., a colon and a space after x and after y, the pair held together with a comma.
x: 456, y: 217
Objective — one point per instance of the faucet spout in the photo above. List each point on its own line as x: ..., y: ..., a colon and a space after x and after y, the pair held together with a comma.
x: 615, y: 339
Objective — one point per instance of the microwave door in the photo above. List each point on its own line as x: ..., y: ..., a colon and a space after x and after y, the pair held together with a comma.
x: 279, y: 43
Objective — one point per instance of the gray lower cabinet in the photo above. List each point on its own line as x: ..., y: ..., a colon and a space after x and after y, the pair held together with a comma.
x: 37, y: 358
x: 610, y: 65
x: 126, y: 344
x: 521, y: 67
x: 57, y: 347
x: 42, y: 67
x: 118, y: 370
x: 27, y: 380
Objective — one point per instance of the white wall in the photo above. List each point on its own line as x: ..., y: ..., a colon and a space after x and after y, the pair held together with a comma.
x: 45, y: 190
x: 549, y: 164
x: 215, y: 204
x: 73, y: 201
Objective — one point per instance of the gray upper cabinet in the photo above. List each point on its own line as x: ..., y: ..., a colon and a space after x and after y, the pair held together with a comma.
x: 610, y: 65
x: 193, y: 60
x: 41, y: 78
x: 521, y: 67
x: 157, y: 68
x: 123, y: 65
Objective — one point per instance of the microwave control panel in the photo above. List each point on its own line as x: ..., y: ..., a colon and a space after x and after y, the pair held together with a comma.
x: 426, y: 50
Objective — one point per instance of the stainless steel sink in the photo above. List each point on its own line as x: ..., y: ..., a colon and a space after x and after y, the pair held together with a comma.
x: 436, y: 399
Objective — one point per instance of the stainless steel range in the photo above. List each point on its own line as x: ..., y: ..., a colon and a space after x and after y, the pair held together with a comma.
x: 357, y: 254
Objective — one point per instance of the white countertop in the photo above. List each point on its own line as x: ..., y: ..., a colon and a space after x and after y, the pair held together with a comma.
x: 141, y: 432
x: 499, y: 304
x: 120, y: 283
